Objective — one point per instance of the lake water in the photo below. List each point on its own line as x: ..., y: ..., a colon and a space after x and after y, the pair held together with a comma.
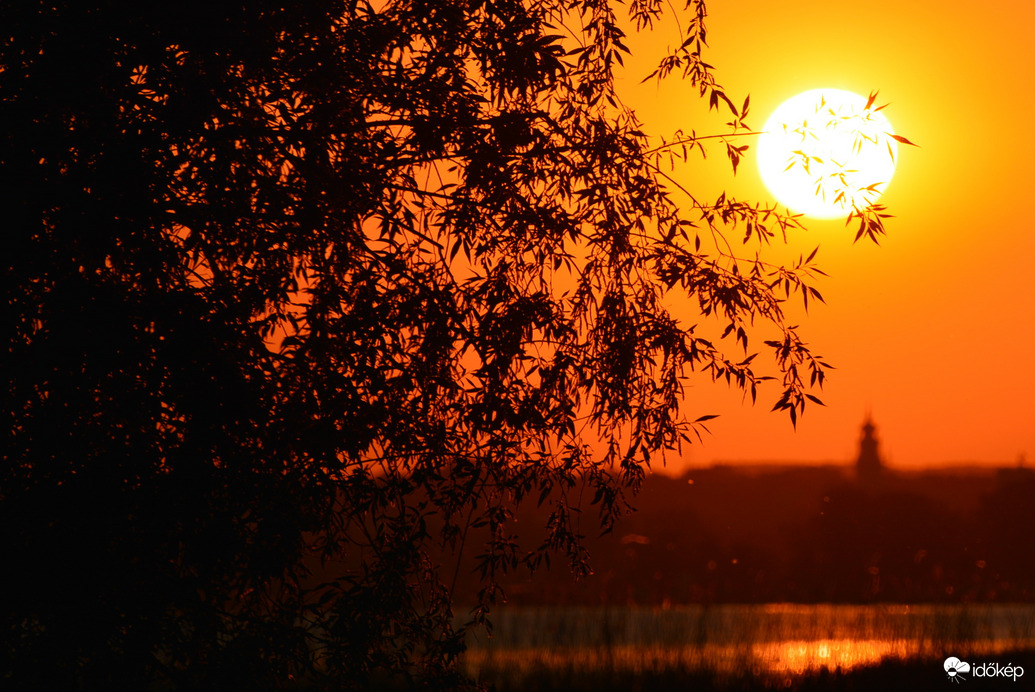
x: 776, y: 640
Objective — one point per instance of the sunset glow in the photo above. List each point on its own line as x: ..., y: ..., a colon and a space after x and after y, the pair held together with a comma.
x: 904, y: 322
x: 569, y: 346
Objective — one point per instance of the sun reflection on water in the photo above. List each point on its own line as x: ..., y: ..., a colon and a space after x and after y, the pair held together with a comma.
x: 777, y: 642
x: 800, y: 657
x: 794, y: 658
x: 772, y: 660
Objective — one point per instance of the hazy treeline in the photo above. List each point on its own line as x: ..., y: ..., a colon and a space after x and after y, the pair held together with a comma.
x: 809, y: 535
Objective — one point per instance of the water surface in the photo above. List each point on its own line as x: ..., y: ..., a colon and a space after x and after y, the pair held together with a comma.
x: 762, y: 641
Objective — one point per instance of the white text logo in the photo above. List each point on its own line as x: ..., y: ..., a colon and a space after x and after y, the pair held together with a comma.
x: 958, y: 670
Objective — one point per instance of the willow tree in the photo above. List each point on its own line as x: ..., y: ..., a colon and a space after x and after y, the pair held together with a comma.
x: 299, y: 296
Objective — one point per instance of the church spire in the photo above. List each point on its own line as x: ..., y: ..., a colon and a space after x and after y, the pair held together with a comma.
x: 868, y: 466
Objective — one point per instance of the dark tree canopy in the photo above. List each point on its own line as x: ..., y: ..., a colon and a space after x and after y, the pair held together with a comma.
x: 300, y: 296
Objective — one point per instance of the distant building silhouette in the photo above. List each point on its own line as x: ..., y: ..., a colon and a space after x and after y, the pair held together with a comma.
x: 1019, y: 476
x: 868, y: 466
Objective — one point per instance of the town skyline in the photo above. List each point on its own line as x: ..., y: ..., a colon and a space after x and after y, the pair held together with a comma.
x: 850, y: 458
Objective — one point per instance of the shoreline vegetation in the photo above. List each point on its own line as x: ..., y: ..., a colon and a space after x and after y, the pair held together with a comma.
x: 798, y: 534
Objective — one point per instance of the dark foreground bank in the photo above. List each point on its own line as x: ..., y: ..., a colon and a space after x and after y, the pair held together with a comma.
x: 917, y: 675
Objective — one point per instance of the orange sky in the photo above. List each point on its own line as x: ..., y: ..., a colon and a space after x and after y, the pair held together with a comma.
x: 932, y: 330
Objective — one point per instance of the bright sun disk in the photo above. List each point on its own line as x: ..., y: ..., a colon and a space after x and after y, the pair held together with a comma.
x: 827, y: 151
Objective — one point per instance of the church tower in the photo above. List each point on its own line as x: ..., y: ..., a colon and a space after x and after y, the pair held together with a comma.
x: 868, y: 466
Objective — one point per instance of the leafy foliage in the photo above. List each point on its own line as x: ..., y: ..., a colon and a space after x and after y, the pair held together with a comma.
x: 301, y: 297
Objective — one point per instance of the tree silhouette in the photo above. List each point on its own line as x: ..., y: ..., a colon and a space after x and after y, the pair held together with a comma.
x: 299, y: 297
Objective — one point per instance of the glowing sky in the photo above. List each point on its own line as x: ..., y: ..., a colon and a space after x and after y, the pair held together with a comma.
x: 932, y: 331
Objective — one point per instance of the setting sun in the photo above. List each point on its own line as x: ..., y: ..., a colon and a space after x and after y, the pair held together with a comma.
x: 827, y: 151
